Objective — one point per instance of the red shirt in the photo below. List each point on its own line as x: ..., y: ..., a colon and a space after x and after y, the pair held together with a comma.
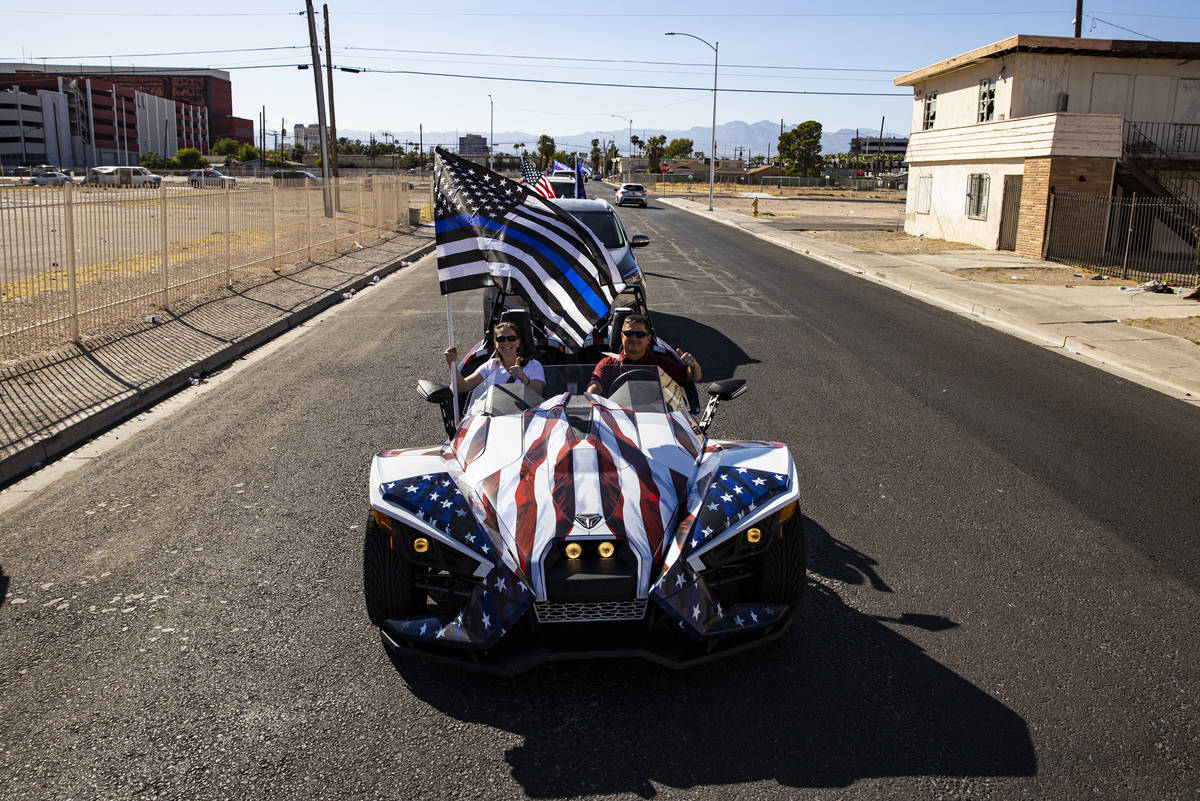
x: 608, y: 367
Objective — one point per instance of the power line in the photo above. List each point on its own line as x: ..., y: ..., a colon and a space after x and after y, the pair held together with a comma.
x: 618, y: 60
x: 180, y: 53
x: 631, y: 85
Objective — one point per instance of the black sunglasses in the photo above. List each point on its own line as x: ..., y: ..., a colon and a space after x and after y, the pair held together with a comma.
x: 635, y: 334
x: 509, y: 338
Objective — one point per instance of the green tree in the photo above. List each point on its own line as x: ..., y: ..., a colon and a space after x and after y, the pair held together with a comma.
x: 297, y: 152
x: 655, y: 147
x: 800, y: 149
x: 225, y: 146
x: 190, y: 159
x: 678, y: 148
x: 635, y: 141
x: 596, y: 155
x: 152, y: 161
x: 246, y: 153
x: 545, y: 151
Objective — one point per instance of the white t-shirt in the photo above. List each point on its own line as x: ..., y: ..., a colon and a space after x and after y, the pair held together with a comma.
x: 493, y: 372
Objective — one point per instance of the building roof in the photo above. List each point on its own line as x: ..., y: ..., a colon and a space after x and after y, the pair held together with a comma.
x: 1024, y: 43
x: 9, y: 67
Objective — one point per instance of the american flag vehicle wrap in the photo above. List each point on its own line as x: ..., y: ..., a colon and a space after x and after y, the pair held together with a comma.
x: 507, y: 493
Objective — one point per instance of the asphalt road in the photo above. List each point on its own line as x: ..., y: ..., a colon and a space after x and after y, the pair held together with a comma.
x: 1003, y: 596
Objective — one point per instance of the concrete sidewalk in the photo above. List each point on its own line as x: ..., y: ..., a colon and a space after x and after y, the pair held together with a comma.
x: 55, y: 401
x: 1079, y: 322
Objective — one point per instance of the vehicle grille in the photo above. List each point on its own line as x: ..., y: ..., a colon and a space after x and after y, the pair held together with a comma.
x: 595, y: 611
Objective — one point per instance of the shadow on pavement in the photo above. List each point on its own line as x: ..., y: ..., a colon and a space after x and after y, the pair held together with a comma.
x: 718, y: 355
x: 3, y: 586
x: 840, y: 699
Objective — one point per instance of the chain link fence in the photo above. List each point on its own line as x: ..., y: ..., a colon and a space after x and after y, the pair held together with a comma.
x: 1129, y: 237
x: 74, y: 260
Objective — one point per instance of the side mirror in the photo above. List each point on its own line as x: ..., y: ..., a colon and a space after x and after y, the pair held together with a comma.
x: 719, y: 391
x: 728, y: 389
x: 639, y: 241
x: 443, y: 397
x: 432, y: 392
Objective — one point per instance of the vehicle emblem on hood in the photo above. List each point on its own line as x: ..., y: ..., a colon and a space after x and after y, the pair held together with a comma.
x: 588, y: 521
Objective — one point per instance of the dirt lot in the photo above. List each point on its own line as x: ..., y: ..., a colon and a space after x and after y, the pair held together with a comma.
x: 1038, y: 276
x: 1186, y: 327
x: 890, y: 241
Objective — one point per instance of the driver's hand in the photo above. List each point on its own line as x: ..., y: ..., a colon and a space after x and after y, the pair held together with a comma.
x: 516, y: 372
x: 451, y: 355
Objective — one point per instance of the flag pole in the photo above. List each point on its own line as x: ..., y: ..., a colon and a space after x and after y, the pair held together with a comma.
x: 453, y: 367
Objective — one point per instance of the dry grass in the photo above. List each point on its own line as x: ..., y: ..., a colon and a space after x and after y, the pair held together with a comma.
x: 1186, y: 327
x: 1038, y: 276
x: 890, y: 242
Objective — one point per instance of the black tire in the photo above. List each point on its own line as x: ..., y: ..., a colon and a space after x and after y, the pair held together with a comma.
x: 387, y: 576
x: 783, y: 568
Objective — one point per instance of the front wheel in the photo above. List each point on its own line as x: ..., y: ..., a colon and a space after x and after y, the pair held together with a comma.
x: 388, y: 585
x: 783, y: 567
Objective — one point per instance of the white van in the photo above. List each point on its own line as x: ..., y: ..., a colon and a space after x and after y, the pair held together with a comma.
x: 122, y: 176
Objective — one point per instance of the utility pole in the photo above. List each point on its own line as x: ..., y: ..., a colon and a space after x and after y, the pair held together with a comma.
x: 333, y: 158
x: 323, y: 133
x: 1078, y: 18
x: 421, y: 136
x: 879, y: 155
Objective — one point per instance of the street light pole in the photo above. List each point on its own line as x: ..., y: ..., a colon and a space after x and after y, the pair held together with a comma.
x: 629, y: 172
x: 712, y: 156
x: 491, y: 130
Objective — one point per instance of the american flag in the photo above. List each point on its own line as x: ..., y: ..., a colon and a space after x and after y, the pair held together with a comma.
x: 535, y: 180
x: 488, y: 226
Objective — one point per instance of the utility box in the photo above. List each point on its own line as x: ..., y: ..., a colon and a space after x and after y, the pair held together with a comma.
x: 414, y: 217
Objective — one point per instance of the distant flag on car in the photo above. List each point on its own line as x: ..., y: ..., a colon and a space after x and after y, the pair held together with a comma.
x: 489, y: 227
x: 580, y: 191
x: 535, y: 180
x: 560, y: 167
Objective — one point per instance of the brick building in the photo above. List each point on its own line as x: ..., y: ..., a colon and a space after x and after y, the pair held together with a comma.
x: 998, y: 130
x: 77, y: 116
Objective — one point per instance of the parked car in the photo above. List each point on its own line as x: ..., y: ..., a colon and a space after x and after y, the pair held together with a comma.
x: 50, y: 177
x: 631, y: 193
x: 210, y: 177
x: 122, y: 176
x: 563, y: 183
x: 293, y: 175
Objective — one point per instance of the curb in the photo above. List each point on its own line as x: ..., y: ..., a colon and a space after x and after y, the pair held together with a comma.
x: 38, y: 453
x: 1071, y: 346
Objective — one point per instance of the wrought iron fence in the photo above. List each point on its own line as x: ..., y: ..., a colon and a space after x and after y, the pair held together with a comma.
x: 76, y: 259
x: 1173, y: 139
x: 1129, y: 237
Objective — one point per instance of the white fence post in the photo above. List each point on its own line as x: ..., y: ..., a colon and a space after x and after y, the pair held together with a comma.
x: 166, y: 282
x: 228, y: 238
x: 69, y: 221
x: 274, y: 227
x: 308, y: 217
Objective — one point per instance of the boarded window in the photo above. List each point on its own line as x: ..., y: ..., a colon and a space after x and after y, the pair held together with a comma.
x: 987, y: 99
x: 930, y: 111
x: 924, y: 193
x: 977, y: 195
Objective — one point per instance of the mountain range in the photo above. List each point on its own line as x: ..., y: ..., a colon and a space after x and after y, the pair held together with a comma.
x: 749, y: 138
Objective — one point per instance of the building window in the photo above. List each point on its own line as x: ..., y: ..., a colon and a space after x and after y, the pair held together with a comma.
x: 977, y: 195
x: 987, y: 99
x: 924, y: 193
x: 930, y: 111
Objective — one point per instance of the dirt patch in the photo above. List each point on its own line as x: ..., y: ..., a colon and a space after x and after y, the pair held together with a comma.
x: 890, y: 242
x: 1038, y: 276
x: 1186, y: 327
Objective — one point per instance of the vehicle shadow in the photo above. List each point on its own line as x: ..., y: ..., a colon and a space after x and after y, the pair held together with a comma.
x: 841, y: 698
x: 719, y: 355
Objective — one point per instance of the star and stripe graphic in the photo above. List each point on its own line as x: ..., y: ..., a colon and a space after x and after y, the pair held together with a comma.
x: 535, y: 180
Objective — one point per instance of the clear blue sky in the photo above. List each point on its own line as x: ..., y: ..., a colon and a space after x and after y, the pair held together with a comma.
x: 852, y: 46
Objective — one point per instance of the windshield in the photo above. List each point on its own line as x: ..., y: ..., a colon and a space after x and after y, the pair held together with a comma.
x: 563, y: 188
x: 639, y: 388
x: 604, y: 225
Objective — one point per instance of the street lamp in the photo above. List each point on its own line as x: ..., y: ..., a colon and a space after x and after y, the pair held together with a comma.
x: 712, y: 156
x: 491, y: 130
x: 629, y: 173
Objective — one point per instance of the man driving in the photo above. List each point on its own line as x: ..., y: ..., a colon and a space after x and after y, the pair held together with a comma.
x: 637, y: 335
